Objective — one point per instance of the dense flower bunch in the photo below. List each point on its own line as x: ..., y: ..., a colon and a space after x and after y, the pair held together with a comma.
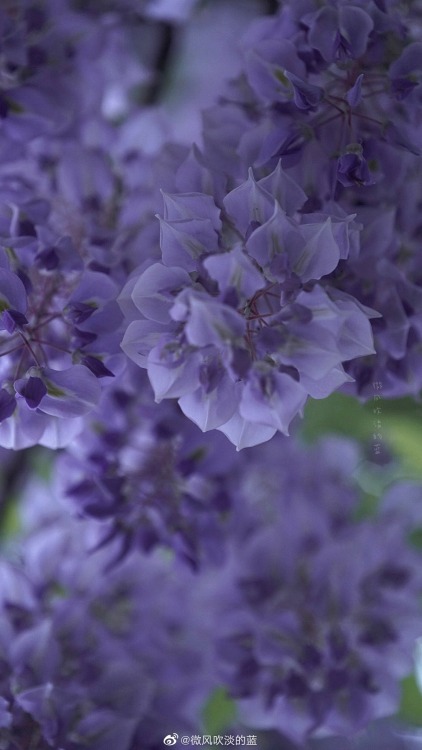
x: 323, y: 91
x: 167, y: 312
x: 33, y: 54
x: 46, y: 42
x: 334, y: 92
x: 77, y: 668
x: 235, y: 323
x: 59, y: 320
x: 61, y: 225
x: 301, y: 651
x: 150, y: 478
x: 93, y: 650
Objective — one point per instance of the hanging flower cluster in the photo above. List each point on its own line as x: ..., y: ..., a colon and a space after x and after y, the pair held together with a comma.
x: 192, y: 570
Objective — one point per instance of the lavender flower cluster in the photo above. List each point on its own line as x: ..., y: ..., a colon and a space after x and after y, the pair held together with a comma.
x: 191, y: 567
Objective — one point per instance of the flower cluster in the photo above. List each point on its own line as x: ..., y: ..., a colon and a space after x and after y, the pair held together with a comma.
x: 77, y: 670
x: 60, y: 323
x: 301, y: 651
x: 236, y: 322
x: 184, y: 564
x: 326, y: 113
x: 92, y: 649
x: 150, y: 478
x: 60, y: 223
x: 334, y: 92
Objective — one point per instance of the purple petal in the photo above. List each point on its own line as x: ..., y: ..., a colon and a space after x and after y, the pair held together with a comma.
x: 312, y: 350
x: 352, y: 169
x: 321, y: 253
x: 345, y: 231
x: 398, y: 137
x: 7, y: 404
x: 5, y: 715
x: 249, y: 202
x: 211, y: 323
x: 12, y: 319
x: 59, y: 433
x: 327, y: 385
x: 70, y: 393
x: 102, y: 728
x: 306, y: 95
x: 266, y: 63
x: 12, y: 292
x: 141, y: 336
x: 355, y: 337
x: 47, y: 259
x: 278, y: 237
x: 78, y: 312
x: 93, y: 289
x: 25, y: 429
x: 97, y: 367
x: 183, y: 242
x: 323, y: 31
x: 402, y: 87
x: 105, y: 320
x: 191, y: 206
x: 213, y: 409
x: 355, y: 26
x: 354, y: 95
x: 32, y: 389
x: 409, y: 62
x: 172, y: 371
x: 288, y: 194
x: 38, y: 702
x: 273, y: 399
x: 234, y: 269
x: 245, y: 434
x: 154, y: 291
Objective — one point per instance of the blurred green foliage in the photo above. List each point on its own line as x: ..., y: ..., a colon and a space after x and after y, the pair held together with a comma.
x: 399, y: 423
x: 219, y: 712
x: 411, y: 702
x: 400, y: 427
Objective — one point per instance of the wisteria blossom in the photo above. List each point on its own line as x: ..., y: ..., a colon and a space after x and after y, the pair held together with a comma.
x: 210, y: 374
x: 236, y: 322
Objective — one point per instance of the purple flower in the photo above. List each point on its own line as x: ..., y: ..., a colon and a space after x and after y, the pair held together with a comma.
x: 352, y: 168
x: 302, y: 652
x: 248, y: 305
x: 33, y: 389
x: 148, y: 476
x: 60, y: 322
x: 7, y: 404
x: 405, y: 71
x: 189, y: 229
x: 357, y: 125
x: 306, y: 96
x: 78, y: 669
x: 354, y: 95
x: 340, y: 33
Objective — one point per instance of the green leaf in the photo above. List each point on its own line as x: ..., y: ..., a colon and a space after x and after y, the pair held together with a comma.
x: 410, y: 710
x: 404, y: 434
x: 219, y: 712
x: 41, y: 462
x: 338, y: 414
x: 11, y: 523
x: 400, y: 425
